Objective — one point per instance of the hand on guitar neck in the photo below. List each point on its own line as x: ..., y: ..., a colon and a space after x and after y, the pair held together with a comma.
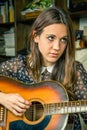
x: 14, y: 102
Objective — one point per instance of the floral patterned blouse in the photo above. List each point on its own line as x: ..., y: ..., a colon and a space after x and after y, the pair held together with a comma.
x: 16, y: 68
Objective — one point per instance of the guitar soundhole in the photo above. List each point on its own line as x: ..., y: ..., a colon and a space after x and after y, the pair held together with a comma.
x: 35, y: 111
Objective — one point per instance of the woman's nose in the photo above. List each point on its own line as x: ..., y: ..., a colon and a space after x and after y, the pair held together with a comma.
x: 56, y: 45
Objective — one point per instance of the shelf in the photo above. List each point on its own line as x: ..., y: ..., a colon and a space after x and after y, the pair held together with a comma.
x: 78, y: 14
x: 29, y: 18
x: 4, y: 58
x: 30, y: 15
x: 80, y: 49
x: 27, y: 22
x: 6, y: 25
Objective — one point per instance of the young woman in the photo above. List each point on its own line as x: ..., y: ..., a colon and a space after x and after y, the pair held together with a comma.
x: 51, y: 57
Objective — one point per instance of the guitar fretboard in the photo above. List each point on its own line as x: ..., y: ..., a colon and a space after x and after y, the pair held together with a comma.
x: 66, y: 107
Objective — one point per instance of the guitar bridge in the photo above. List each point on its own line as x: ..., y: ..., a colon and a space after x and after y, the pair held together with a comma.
x: 2, y: 117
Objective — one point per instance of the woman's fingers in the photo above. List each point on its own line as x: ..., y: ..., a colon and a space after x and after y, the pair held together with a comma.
x: 15, y: 103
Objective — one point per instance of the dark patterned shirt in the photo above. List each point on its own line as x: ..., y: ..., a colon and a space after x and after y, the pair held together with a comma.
x: 16, y: 68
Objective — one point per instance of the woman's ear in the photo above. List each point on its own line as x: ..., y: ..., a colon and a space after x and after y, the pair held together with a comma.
x: 35, y: 37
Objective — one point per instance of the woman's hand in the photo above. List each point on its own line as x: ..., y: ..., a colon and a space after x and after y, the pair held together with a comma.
x: 15, y: 103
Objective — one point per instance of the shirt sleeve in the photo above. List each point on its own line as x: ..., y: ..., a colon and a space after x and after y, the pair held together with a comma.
x: 11, y: 66
x: 80, y: 89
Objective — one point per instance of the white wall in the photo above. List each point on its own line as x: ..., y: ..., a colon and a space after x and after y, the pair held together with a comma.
x: 81, y: 55
x: 82, y: 23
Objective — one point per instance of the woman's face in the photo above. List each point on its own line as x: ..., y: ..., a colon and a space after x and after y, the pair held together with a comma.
x: 52, y: 43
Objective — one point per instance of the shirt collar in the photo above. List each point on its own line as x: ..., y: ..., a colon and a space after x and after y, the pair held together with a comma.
x: 49, y: 68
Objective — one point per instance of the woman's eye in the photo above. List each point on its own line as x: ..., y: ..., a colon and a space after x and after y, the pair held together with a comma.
x: 51, y: 38
x: 63, y: 40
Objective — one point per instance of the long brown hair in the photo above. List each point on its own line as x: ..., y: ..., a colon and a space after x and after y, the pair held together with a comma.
x: 64, y: 70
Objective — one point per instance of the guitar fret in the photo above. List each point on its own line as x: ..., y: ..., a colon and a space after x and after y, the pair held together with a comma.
x: 46, y: 109
x: 66, y: 108
x: 62, y: 107
x: 69, y: 107
x: 52, y: 109
x: 73, y: 106
x: 84, y: 103
x: 58, y: 108
x: 77, y: 106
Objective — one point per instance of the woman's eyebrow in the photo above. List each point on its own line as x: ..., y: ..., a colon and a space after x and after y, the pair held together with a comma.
x: 50, y: 34
x: 65, y: 36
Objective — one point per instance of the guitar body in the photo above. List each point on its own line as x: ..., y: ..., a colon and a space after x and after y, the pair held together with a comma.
x: 46, y: 92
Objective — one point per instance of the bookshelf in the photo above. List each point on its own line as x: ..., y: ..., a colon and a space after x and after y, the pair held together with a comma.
x: 7, y: 28
x: 17, y: 25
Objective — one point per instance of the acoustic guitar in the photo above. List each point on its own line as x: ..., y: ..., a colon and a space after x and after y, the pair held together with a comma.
x: 49, y: 110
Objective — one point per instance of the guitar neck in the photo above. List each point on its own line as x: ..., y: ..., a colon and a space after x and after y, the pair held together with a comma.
x: 66, y: 107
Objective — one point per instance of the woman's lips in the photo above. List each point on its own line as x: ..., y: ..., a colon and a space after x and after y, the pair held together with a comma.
x: 54, y: 54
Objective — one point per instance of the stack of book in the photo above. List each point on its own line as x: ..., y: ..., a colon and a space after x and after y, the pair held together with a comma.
x: 6, y: 11
x: 9, y: 38
x: 7, y: 43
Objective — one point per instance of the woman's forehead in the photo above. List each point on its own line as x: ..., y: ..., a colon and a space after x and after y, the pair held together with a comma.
x: 55, y: 29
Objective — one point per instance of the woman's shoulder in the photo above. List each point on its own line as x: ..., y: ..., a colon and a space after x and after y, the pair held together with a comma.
x: 80, y: 67
x: 79, y: 64
x: 21, y: 55
x: 18, y: 58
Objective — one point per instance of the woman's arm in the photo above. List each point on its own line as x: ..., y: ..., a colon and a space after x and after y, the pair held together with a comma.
x: 14, y: 102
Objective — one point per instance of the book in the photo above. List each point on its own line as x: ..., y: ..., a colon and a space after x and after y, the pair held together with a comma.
x: 10, y: 51
x: 4, y: 16
x: 9, y: 37
x: 11, y: 11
